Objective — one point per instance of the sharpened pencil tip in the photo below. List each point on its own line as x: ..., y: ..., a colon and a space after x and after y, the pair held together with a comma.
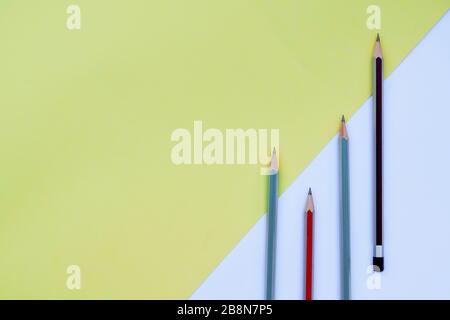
x: 343, y: 131
x: 309, y: 192
x: 377, y: 50
x: 274, y: 160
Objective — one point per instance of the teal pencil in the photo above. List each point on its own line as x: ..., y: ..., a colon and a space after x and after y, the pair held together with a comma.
x: 345, y: 210
x: 272, y: 226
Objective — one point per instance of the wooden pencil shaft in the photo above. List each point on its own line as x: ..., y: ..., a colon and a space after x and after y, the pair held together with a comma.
x: 271, y: 235
x: 345, y: 220
x: 379, y: 149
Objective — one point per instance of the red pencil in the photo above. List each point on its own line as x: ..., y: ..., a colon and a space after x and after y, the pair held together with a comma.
x: 309, y: 246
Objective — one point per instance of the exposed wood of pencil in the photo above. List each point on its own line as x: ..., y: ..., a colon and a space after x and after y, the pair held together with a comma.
x: 309, y: 202
x: 377, y: 52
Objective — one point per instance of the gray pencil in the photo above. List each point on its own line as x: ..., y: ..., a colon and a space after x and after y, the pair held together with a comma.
x: 272, y: 226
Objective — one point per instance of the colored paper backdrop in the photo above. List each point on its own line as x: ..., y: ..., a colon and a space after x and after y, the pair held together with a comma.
x: 86, y: 176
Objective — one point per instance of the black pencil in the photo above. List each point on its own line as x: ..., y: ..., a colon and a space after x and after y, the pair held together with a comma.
x: 378, y: 257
